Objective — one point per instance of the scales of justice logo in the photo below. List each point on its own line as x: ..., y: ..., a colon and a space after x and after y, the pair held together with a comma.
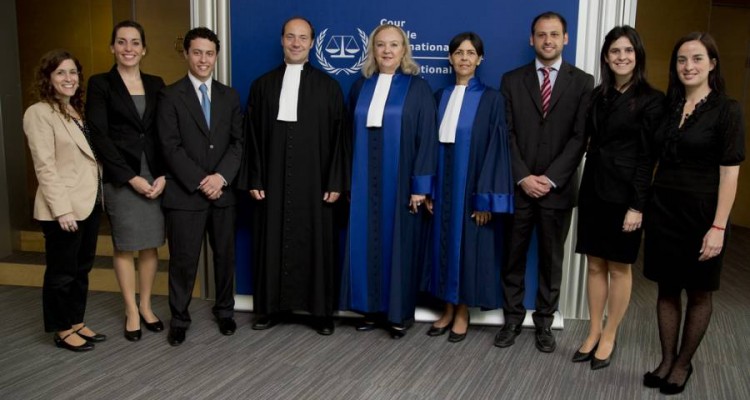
x: 341, y: 48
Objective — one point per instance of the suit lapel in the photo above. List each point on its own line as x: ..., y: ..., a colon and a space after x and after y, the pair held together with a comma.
x: 76, y: 135
x: 561, y: 83
x: 121, y: 91
x: 193, y: 105
x: 531, y: 81
x: 217, y: 102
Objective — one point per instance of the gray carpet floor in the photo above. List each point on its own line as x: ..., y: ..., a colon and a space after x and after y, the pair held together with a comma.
x: 291, y: 361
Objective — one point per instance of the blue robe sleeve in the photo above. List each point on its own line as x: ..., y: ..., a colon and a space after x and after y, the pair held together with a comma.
x: 495, y: 182
x: 425, y: 162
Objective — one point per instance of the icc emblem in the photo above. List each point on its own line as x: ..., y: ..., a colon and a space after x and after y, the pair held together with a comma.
x: 341, y: 47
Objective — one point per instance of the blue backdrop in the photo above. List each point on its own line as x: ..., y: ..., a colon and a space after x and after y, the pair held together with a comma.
x: 341, y: 30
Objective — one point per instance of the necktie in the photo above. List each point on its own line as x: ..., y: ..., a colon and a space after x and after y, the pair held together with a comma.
x: 546, y: 90
x: 205, y: 103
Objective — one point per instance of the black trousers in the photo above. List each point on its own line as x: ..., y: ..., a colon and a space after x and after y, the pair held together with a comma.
x: 185, y: 232
x: 552, y: 229
x: 70, y: 257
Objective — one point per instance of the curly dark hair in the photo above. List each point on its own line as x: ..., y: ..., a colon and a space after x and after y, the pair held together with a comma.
x: 43, y: 88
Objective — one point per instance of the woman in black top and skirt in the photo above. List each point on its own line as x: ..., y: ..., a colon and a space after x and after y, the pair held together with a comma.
x: 624, y: 114
x: 121, y: 109
x: 700, y: 146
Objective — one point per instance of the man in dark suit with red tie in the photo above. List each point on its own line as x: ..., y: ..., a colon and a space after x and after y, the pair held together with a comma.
x: 200, y: 130
x: 546, y: 104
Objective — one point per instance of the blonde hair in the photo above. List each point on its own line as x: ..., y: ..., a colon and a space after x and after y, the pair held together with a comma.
x: 408, y: 65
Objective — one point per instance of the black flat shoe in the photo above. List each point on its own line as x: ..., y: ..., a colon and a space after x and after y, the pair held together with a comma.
x: 673, y: 388
x: 435, y: 331
x: 397, y: 331
x: 132, y: 336
x: 599, y: 364
x: 365, y: 326
x: 653, y: 381
x: 454, y: 337
x: 580, y: 356
x: 157, y: 326
x: 61, y: 343
x: 98, y: 337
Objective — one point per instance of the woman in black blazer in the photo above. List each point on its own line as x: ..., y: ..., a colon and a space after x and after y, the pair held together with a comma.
x: 623, y: 116
x: 120, y: 109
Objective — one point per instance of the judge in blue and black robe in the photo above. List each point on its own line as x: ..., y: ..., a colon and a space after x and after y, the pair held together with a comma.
x: 393, y: 170
x: 473, y: 182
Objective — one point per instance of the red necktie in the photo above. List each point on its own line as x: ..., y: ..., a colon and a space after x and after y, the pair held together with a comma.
x: 546, y: 90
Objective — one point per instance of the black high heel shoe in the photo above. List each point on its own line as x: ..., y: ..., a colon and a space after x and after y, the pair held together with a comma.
x: 599, y: 364
x: 132, y: 336
x: 98, y: 337
x: 61, y: 343
x: 157, y: 326
x: 653, y: 381
x: 673, y: 388
x: 580, y: 356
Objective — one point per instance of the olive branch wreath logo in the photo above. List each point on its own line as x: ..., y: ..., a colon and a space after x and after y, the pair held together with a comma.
x: 334, y: 70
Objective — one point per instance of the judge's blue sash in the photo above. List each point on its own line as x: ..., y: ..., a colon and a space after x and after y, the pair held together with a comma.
x: 461, y: 154
x: 358, y: 255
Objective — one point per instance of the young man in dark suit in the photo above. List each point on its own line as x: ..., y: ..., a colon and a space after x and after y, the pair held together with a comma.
x: 546, y: 104
x: 200, y: 130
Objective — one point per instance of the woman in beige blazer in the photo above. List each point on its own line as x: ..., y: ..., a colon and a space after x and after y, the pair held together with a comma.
x: 67, y: 201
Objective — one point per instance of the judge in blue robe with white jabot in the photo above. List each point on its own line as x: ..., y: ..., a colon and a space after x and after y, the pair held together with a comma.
x: 393, y: 172
x: 473, y: 182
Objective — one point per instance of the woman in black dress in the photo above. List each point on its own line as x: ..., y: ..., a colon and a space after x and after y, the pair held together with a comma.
x: 624, y: 114
x: 121, y: 109
x: 699, y: 147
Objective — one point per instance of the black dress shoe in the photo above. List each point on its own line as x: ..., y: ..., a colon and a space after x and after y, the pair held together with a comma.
x: 545, y: 340
x: 507, y: 335
x: 176, y: 336
x: 265, y: 322
x: 325, y: 326
x: 132, y: 336
x: 397, y: 331
x: 435, y: 331
x: 98, y: 337
x: 673, y: 388
x: 599, y: 364
x: 227, y: 326
x: 157, y: 326
x: 653, y: 381
x: 61, y: 343
x: 580, y: 356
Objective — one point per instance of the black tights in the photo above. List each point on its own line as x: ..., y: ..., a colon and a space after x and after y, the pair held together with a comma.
x: 675, y: 364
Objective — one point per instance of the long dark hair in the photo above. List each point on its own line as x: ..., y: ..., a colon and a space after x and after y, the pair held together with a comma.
x: 676, y: 90
x: 43, y: 88
x: 128, y: 24
x: 638, y: 81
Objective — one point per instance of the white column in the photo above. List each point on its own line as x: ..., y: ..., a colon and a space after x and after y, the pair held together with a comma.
x: 214, y: 14
x: 595, y: 19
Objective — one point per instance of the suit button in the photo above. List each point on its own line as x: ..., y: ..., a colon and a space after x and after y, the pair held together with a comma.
x: 141, y: 136
x: 211, y: 146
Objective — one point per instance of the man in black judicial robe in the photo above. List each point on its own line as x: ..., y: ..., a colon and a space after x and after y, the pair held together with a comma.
x: 294, y: 169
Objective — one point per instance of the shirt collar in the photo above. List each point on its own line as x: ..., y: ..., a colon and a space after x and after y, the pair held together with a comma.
x: 556, y: 66
x: 197, y: 82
